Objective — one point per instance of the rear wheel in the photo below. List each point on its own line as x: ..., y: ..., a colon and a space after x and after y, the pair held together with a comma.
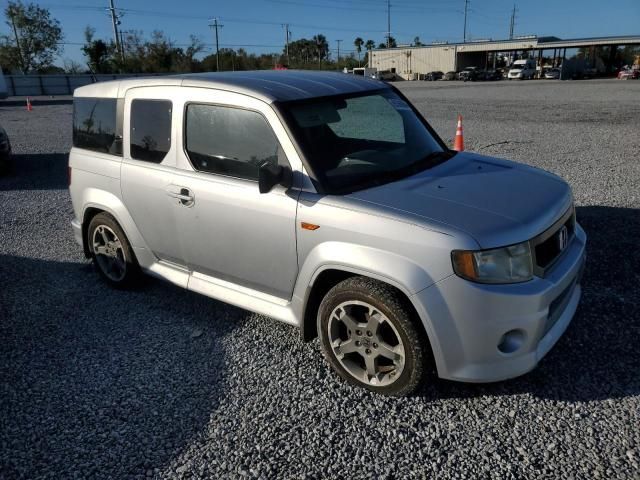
x: 111, y: 252
x: 369, y: 336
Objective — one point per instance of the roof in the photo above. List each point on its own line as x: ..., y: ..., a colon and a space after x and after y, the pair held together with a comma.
x: 267, y: 85
x: 528, y: 42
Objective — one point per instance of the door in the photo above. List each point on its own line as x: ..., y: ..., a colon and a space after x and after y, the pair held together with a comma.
x: 230, y: 231
x: 148, y: 169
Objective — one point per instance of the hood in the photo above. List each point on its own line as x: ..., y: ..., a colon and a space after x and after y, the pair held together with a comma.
x: 495, y: 201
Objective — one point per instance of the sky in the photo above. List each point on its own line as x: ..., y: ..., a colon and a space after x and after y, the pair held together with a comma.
x: 257, y: 25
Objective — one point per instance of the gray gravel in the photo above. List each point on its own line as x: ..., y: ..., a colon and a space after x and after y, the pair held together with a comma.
x: 160, y: 382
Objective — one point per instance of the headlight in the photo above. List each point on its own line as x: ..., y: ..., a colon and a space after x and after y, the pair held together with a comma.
x: 500, y: 265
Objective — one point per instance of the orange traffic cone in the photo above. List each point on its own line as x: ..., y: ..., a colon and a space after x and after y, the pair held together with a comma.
x: 29, y: 107
x: 458, y: 144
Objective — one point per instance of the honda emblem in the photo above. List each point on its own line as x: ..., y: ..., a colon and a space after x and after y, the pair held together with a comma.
x: 563, y: 238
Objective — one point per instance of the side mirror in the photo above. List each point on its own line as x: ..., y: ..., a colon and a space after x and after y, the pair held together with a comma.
x: 270, y: 175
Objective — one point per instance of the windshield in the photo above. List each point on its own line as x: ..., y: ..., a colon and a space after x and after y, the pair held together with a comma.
x: 355, y: 142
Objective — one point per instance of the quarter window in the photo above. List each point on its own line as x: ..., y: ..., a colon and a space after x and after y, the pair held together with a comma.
x: 150, y: 129
x: 95, y: 125
x: 230, y: 141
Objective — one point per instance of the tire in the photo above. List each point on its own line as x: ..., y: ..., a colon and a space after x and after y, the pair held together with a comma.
x: 111, y: 252
x: 366, y: 326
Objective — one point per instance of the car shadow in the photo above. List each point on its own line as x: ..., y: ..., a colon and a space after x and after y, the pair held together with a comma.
x: 87, y: 371
x: 597, y: 358
x: 36, y: 171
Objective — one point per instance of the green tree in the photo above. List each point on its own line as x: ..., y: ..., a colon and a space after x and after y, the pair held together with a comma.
x: 36, y: 39
x: 97, y: 52
x: 417, y: 42
x: 392, y: 43
x: 358, y: 42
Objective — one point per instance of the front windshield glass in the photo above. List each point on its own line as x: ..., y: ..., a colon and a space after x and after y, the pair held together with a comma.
x: 354, y: 142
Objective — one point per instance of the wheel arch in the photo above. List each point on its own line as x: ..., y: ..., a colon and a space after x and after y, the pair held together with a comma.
x: 96, y: 201
x: 328, y: 277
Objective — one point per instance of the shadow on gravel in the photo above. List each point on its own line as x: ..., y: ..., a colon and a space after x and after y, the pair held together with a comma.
x: 598, y: 357
x: 36, y: 171
x: 98, y: 382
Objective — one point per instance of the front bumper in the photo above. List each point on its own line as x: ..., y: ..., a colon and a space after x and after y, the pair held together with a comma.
x: 468, y: 322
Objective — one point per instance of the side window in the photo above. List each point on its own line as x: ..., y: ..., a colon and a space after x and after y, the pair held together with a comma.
x: 150, y: 129
x: 95, y: 125
x: 229, y: 141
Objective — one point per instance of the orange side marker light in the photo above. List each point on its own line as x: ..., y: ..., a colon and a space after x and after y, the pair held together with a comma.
x: 309, y: 226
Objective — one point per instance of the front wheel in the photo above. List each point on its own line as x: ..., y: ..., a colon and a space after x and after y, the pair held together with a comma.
x: 369, y: 337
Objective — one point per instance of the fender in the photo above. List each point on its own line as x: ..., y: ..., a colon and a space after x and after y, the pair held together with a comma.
x: 388, y: 267
x: 110, y: 203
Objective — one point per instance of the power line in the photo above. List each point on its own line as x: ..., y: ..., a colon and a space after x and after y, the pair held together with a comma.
x: 216, y: 25
x: 466, y: 8
x: 115, y: 21
x: 513, y: 21
x: 388, y: 23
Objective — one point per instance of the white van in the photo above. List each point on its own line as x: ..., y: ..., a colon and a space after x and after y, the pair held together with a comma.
x: 522, y: 69
x: 4, y: 92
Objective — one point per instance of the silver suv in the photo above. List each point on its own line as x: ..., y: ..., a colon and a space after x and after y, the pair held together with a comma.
x: 326, y: 201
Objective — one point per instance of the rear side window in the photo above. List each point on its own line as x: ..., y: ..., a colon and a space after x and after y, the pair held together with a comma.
x: 230, y: 141
x: 150, y: 129
x: 95, y: 125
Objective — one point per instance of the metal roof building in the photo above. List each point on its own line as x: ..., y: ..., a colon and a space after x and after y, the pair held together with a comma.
x: 410, y: 61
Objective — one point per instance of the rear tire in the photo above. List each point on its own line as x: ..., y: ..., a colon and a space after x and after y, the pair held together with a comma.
x: 369, y: 336
x: 111, y: 252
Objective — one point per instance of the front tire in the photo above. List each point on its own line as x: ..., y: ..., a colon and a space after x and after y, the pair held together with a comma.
x: 111, y: 252
x: 370, y: 338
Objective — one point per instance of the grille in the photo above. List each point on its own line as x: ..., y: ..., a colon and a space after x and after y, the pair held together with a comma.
x: 546, y: 246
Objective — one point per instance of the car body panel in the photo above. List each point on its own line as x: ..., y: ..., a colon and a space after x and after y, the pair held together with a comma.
x: 249, y: 249
x: 494, y: 201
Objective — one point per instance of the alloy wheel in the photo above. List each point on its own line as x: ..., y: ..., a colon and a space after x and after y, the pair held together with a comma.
x: 366, y: 343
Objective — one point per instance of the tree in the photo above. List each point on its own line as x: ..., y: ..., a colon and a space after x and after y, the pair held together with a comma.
x: 97, y: 52
x: 370, y: 45
x: 358, y: 42
x: 417, y: 42
x: 36, y: 38
x: 391, y: 42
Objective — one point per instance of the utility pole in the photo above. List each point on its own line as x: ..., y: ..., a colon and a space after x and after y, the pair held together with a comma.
x: 286, y: 36
x: 216, y: 25
x: 513, y: 21
x: 338, y: 61
x: 15, y: 32
x: 388, y: 23
x: 466, y: 8
x: 115, y: 21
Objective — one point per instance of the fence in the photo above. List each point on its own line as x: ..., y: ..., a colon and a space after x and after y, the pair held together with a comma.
x: 34, y: 85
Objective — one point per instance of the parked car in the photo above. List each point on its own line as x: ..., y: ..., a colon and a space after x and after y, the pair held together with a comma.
x: 492, y: 75
x: 552, y: 73
x: 433, y: 76
x: 5, y: 151
x: 628, y: 74
x: 386, y: 76
x: 4, y: 92
x: 522, y: 69
x: 450, y: 76
x: 470, y: 74
x: 332, y: 206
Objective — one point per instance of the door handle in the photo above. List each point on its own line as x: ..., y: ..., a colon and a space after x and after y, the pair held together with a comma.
x: 183, y: 194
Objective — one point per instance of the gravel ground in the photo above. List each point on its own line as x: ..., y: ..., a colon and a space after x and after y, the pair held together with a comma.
x: 161, y: 382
